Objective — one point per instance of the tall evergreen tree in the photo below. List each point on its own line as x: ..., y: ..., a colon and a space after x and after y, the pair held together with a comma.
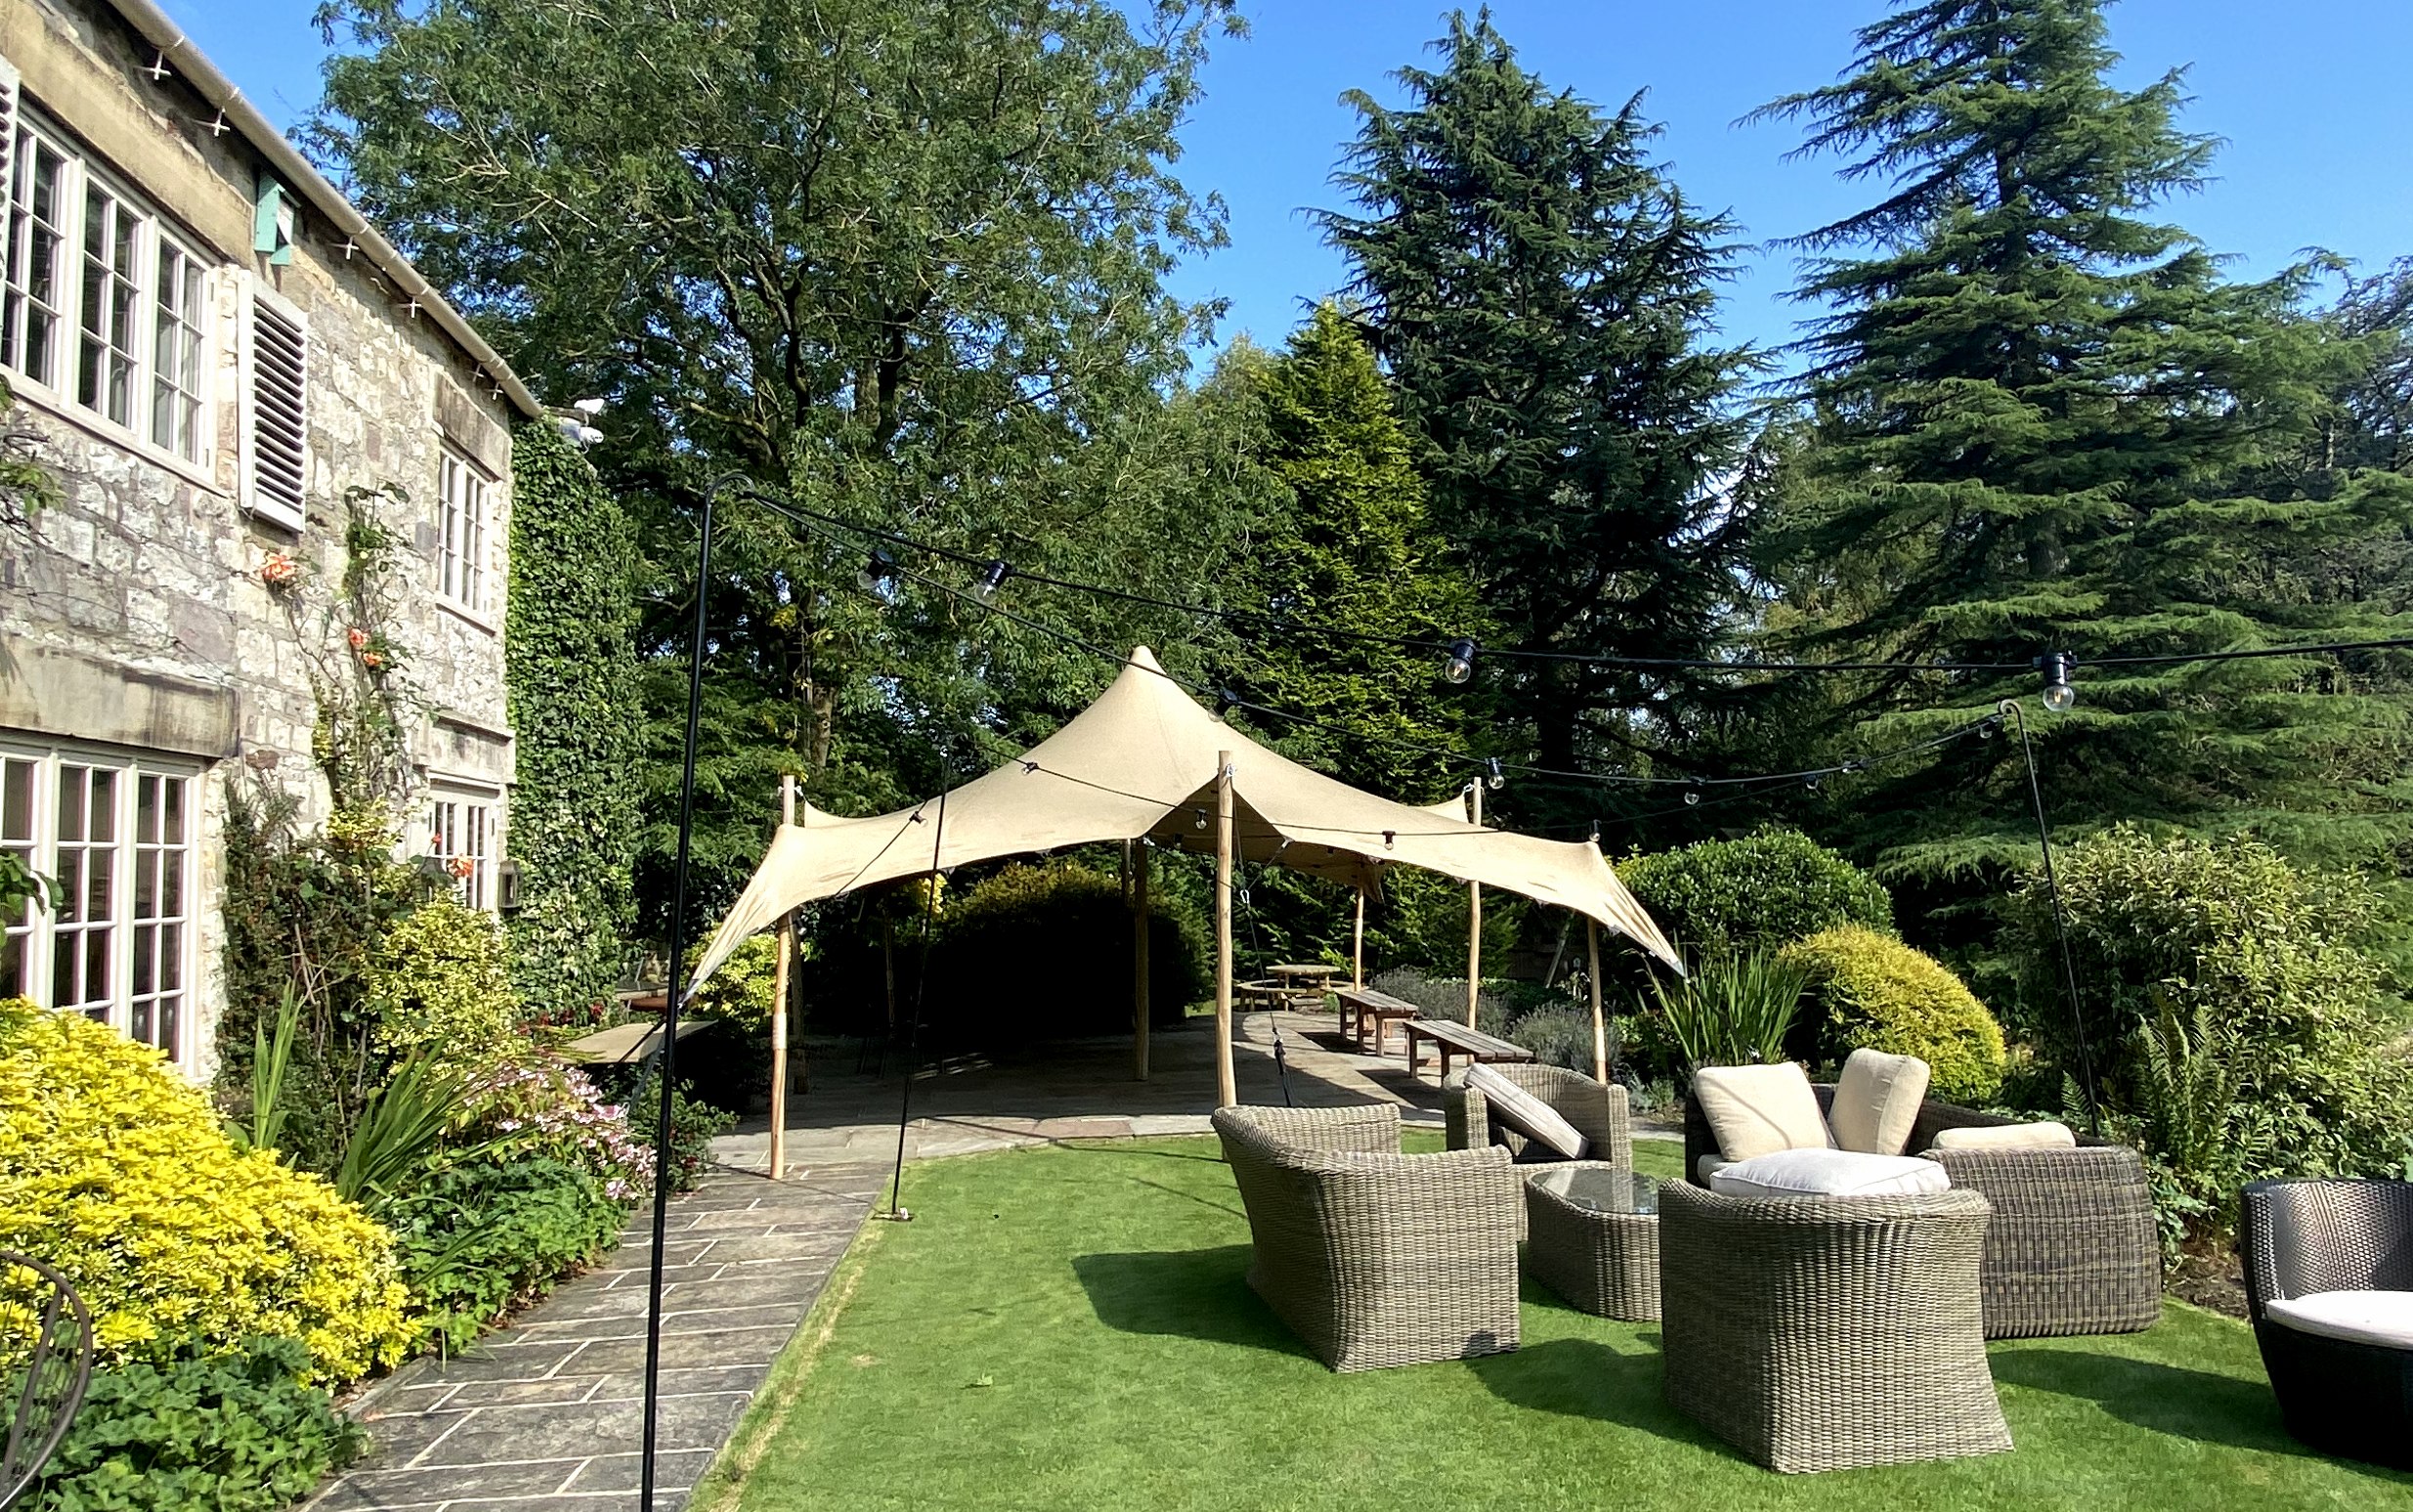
x: 1352, y: 551
x: 1542, y: 297
x: 2033, y: 416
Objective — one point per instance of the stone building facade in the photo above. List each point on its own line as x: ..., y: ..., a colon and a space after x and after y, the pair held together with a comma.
x: 218, y: 361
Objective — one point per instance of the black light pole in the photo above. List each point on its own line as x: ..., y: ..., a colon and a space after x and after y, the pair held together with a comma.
x: 2061, y: 921
x: 670, y: 1002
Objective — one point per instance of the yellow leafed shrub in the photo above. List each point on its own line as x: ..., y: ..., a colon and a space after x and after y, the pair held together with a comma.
x: 116, y: 1170
x: 1876, y: 992
x: 440, y: 982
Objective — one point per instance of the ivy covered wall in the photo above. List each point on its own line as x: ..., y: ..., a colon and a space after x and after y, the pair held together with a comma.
x: 570, y: 667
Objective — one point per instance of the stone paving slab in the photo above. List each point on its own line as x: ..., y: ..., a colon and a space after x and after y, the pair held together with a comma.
x: 547, y: 1415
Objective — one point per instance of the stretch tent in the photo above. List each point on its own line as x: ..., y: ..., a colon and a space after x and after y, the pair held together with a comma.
x: 1140, y: 763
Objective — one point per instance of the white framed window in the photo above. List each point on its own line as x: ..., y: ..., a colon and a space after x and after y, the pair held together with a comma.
x: 462, y: 831
x: 115, y: 837
x: 462, y: 496
x: 106, y: 308
x: 276, y: 407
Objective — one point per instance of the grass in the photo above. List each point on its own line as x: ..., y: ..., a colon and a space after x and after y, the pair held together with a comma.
x: 1068, y: 1328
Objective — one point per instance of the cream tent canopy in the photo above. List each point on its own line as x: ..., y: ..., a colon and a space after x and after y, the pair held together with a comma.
x: 1140, y: 763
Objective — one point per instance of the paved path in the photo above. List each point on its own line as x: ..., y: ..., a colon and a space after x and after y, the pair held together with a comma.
x: 547, y: 1415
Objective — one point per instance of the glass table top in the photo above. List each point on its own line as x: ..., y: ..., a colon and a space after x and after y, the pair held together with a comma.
x: 1600, y: 1188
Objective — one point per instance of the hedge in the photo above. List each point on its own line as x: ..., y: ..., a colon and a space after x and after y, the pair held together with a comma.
x: 1723, y: 897
x: 1872, y: 991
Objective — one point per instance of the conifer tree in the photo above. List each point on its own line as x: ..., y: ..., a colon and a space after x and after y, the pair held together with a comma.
x: 2034, y: 414
x: 1542, y: 294
x: 1352, y: 551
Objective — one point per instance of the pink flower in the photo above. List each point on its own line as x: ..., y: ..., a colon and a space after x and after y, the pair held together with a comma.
x: 372, y: 661
x: 357, y: 637
x: 279, y: 570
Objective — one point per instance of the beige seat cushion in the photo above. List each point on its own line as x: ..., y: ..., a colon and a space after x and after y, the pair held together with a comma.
x: 1758, y: 1109
x: 1526, y: 1113
x: 2381, y: 1318
x: 1827, y: 1173
x: 1708, y: 1166
x: 2039, y: 1136
x: 1877, y: 1101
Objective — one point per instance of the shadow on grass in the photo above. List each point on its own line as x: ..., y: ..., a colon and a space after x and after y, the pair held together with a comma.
x: 1183, y: 1293
x: 1586, y: 1379
x: 2194, y: 1405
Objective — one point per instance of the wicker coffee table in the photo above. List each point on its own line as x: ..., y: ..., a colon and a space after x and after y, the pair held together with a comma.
x: 1592, y: 1236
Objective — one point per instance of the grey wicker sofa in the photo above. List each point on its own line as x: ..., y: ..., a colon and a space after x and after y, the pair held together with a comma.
x: 2343, y: 1396
x: 2072, y: 1248
x: 1598, y: 1112
x: 1372, y: 1257
x: 1826, y: 1333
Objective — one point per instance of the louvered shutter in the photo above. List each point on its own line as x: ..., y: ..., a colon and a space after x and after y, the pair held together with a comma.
x: 276, y: 409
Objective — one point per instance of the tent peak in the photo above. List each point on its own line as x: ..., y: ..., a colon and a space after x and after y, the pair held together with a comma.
x: 1144, y: 658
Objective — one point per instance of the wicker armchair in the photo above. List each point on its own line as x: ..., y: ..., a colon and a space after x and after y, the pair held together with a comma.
x: 1598, y: 1112
x: 1829, y: 1332
x: 2072, y: 1248
x: 1372, y: 1257
x: 2342, y: 1396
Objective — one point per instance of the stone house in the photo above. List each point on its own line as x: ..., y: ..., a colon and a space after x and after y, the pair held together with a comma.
x: 217, y: 358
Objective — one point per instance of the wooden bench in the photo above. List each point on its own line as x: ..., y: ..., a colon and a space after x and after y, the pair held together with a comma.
x: 1373, y: 1011
x: 1456, y: 1039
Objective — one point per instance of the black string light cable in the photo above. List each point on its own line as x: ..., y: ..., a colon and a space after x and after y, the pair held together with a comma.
x: 994, y: 571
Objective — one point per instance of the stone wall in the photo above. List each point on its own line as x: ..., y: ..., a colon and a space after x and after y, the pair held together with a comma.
x: 133, y: 614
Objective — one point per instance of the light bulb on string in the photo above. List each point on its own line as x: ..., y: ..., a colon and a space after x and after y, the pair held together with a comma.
x: 992, y: 577
x: 1692, y: 797
x: 2060, y: 695
x: 1496, y: 780
x: 878, y: 569
x: 1201, y: 824
x: 1459, y: 663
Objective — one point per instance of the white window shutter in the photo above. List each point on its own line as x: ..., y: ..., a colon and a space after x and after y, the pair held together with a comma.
x: 275, y: 407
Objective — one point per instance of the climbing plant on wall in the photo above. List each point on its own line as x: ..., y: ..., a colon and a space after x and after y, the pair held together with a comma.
x: 570, y: 671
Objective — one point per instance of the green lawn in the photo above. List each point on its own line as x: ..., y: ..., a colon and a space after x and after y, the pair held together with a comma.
x: 1068, y: 1328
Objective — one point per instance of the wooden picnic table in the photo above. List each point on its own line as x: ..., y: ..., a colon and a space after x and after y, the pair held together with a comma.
x: 1456, y: 1039
x: 1374, y: 1010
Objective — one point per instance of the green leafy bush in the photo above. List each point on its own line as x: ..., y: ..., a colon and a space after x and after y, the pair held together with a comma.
x: 439, y: 983
x: 117, y: 1172
x: 694, y: 1125
x: 1559, y: 1036
x: 1870, y: 991
x: 2227, y: 934
x: 1723, y: 897
x: 480, y: 1235
x: 1044, y: 952
x: 1443, y: 997
x: 537, y: 1108
x: 238, y: 1432
x: 730, y: 1067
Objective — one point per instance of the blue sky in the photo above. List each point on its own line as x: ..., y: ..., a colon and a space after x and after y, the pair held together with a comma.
x: 2309, y: 95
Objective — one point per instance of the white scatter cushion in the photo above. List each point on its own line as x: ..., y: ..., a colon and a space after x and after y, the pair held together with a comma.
x: 1877, y: 1101
x: 1526, y: 1113
x: 1757, y: 1110
x: 2039, y: 1136
x: 1827, y: 1173
x: 2381, y: 1318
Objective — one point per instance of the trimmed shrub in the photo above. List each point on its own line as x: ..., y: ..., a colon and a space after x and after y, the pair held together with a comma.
x: 1722, y: 897
x: 440, y: 982
x: 117, y: 1172
x: 1044, y: 952
x: 1874, y: 993
x: 1443, y: 997
x: 238, y: 1432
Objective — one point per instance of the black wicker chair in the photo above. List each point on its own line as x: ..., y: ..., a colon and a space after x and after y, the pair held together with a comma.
x: 2071, y: 1249
x: 2339, y: 1396
x: 46, y: 1362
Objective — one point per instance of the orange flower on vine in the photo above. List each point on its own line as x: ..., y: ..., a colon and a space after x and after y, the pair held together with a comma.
x: 279, y: 573
x: 463, y: 867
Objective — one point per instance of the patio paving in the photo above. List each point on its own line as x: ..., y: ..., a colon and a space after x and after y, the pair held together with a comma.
x: 546, y: 1415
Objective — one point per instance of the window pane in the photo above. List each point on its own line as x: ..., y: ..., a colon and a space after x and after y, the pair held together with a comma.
x: 146, y: 809
x: 12, y: 967
x: 96, y: 965
x: 147, y: 883
x: 71, y: 803
x: 103, y: 813
x: 144, y: 942
x: 71, y: 874
x: 100, y: 873
x: 16, y: 799
x: 172, y: 884
x: 171, y: 956
x: 63, y: 958
x: 173, y: 823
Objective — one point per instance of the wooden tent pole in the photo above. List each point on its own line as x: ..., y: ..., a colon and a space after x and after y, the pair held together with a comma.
x: 1357, y: 946
x: 1134, y: 864
x: 1599, y: 1031
x: 1474, y: 914
x: 1226, y: 1086
x: 780, y: 978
